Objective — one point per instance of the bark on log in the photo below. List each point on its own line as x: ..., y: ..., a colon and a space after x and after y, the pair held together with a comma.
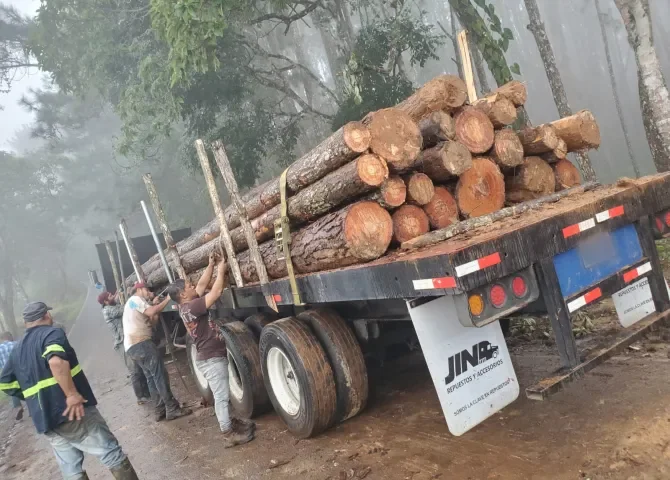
x: 395, y: 137
x: 566, y: 175
x: 442, y: 209
x: 558, y: 153
x: 481, y: 189
x: 474, y: 129
x: 533, y: 179
x: 580, y: 131
x: 540, y: 139
x: 191, y: 261
x: 445, y: 92
x: 420, y: 188
x: 507, y: 149
x: 444, y: 161
x: 514, y: 91
x: 358, y: 233
x: 500, y: 110
x: 437, y: 127
x: 409, y: 222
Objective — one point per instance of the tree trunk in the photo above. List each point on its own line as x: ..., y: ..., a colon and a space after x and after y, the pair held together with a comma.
x: 420, y: 188
x: 437, y: 127
x: 500, y: 110
x: 444, y: 161
x: 474, y: 129
x: 481, y: 189
x: 445, y: 92
x: 536, y: 27
x: 479, y: 67
x: 442, y: 210
x: 507, y: 149
x: 395, y: 137
x: 566, y: 175
x: 358, y: 233
x: 579, y: 131
x: 454, y: 41
x: 540, y: 139
x: 535, y: 176
x: 409, y: 222
x: 391, y: 194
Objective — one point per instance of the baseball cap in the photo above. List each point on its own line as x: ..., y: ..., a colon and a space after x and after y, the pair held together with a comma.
x: 138, y: 285
x: 103, y: 297
x: 35, y: 311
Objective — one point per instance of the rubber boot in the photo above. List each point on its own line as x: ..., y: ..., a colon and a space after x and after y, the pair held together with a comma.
x: 125, y: 471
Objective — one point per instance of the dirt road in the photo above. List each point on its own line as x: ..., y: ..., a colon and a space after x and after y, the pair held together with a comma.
x: 614, y: 424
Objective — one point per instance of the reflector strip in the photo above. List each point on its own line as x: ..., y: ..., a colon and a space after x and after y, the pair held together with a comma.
x: 578, y: 227
x: 585, y: 299
x: 611, y: 213
x: 431, y: 283
x: 475, y: 266
x: 276, y: 297
x: 636, y: 272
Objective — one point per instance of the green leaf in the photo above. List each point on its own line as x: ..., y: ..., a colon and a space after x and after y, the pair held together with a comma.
x: 481, y: 3
x: 507, y: 33
x: 515, y: 69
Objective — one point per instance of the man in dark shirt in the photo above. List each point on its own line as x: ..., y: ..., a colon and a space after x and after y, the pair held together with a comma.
x: 211, y: 359
x: 44, y: 370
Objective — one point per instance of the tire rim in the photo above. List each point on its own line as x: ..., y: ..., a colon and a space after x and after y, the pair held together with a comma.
x: 284, y: 381
x: 236, y: 388
x: 199, y: 377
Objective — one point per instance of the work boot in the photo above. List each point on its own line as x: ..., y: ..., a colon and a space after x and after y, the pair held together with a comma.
x: 19, y: 414
x: 125, y: 471
x: 143, y: 400
x: 159, y: 413
x: 177, y: 413
x: 232, y: 438
x: 243, y: 425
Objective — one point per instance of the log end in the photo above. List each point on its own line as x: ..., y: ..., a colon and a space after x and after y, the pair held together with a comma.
x: 566, y: 175
x: 456, y: 158
x: 481, y: 189
x: 535, y: 175
x: 474, y: 129
x: 372, y: 169
x: 394, y: 191
x: 503, y: 113
x: 395, y: 137
x: 409, y: 222
x: 540, y: 139
x: 368, y: 230
x: 357, y: 136
x: 420, y: 188
x: 507, y: 148
x: 442, y: 209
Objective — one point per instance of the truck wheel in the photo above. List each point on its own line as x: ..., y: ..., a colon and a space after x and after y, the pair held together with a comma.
x: 345, y: 357
x: 200, y: 381
x: 258, y: 321
x: 247, y: 391
x: 298, y: 377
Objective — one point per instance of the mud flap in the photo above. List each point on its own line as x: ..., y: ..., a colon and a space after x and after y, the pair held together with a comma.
x: 470, y: 367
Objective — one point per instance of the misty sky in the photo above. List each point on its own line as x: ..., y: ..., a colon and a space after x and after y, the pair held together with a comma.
x: 13, y: 117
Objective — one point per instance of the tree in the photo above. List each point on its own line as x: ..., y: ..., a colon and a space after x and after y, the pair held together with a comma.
x: 654, y: 96
x: 14, y: 59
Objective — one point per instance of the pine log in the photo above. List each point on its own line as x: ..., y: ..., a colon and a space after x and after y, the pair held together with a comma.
x: 409, y: 222
x: 474, y: 129
x: 558, y: 153
x: 445, y: 92
x: 580, y: 131
x: 566, y: 175
x: 442, y: 210
x: 395, y: 137
x: 514, y: 91
x: 391, y: 194
x: 500, y: 110
x: 355, y: 234
x: 481, y: 189
x: 540, y: 139
x: 444, y: 161
x: 533, y: 179
x: 437, y: 127
x: 420, y: 188
x: 191, y: 261
x: 507, y: 149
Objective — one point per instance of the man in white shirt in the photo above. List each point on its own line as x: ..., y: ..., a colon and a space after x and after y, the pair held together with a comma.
x: 139, y: 318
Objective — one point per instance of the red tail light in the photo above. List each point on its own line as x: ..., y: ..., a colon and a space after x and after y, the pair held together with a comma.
x: 667, y: 219
x: 498, y: 296
x: 519, y: 287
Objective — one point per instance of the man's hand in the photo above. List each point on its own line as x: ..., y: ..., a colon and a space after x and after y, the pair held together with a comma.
x: 212, y: 258
x: 75, y: 407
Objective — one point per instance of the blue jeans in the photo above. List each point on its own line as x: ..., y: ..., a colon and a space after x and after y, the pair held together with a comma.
x: 146, y: 355
x: 137, y: 378
x: 89, y: 435
x: 215, y: 370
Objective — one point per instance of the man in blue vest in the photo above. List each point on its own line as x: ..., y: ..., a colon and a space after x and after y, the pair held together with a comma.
x: 44, y: 370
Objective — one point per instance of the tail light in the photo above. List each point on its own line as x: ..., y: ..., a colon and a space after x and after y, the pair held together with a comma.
x: 498, y: 296
x: 519, y: 287
x: 476, y: 304
x: 666, y: 217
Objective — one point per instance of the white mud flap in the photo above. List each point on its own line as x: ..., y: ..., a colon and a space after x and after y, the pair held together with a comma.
x: 470, y: 367
x: 634, y: 302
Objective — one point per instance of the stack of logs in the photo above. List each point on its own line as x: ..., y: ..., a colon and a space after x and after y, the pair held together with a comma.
x: 424, y: 164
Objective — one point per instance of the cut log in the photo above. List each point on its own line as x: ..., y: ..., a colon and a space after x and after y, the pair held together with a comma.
x: 580, y: 131
x: 442, y: 209
x: 420, y: 188
x: 558, y: 153
x: 409, y: 222
x: 500, y: 110
x: 444, y: 161
x: 474, y: 129
x: 540, y: 139
x: 507, y: 149
x: 193, y: 260
x: 391, y: 194
x: 358, y: 233
x: 395, y: 137
x: 514, y: 91
x: 566, y: 175
x: 481, y: 189
x: 531, y: 180
x: 445, y: 92
x: 437, y: 127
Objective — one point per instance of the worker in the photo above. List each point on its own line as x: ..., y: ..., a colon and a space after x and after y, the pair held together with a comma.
x: 211, y: 359
x: 7, y: 343
x: 112, y: 312
x: 44, y: 370
x: 140, y: 315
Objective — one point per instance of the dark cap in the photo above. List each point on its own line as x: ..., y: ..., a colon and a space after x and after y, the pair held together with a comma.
x: 35, y: 311
x: 139, y: 285
x: 103, y: 297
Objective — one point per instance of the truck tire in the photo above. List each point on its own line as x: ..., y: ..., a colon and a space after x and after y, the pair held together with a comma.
x: 198, y: 378
x: 258, y: 321
x: 298, y: 377
x: 247, y: 391
x: 345, y: 357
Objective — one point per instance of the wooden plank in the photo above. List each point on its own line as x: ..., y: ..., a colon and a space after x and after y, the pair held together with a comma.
x: 115, y: 268
x: 466, y: 61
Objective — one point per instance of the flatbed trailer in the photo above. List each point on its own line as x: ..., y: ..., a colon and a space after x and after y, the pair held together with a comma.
x: 564, y: 255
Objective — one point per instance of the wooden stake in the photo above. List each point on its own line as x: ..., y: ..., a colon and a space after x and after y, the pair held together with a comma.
x: 139, y: 273
x: 467, y: 65
x: 231, y: 184
x: 115, y: 269
x: 218, y: 210
x: 122, y: 284
x: 162, y: 221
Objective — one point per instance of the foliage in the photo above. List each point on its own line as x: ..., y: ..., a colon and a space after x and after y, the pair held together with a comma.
x: 14, y: 59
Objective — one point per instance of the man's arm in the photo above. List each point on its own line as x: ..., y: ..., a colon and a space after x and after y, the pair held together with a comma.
x: 217, y: 288
x: 60, y: 369
x: 158, y: 308
x: 206, y: 276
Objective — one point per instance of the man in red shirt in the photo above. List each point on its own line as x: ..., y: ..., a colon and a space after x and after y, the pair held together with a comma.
x: 211, y: 360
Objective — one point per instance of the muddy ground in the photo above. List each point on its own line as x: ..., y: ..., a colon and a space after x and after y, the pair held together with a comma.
x: 613, y: 424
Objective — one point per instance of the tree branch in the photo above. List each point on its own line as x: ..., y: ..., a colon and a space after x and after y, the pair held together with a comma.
x: 288, y: 19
